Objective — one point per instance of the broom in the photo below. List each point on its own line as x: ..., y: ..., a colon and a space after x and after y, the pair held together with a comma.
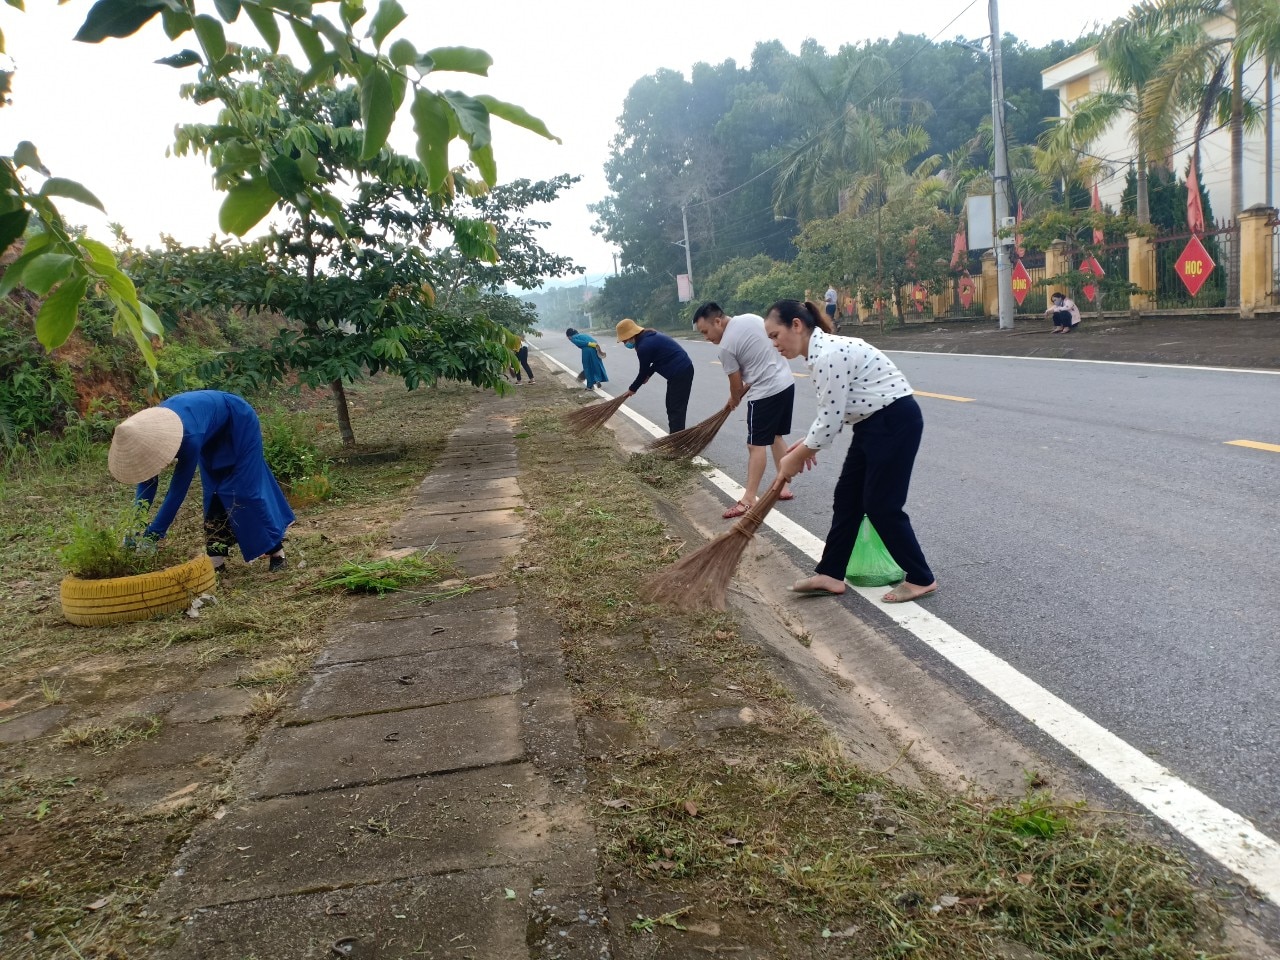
x: 591, y: 417
x: 690, y: 442
x: 700, y: 580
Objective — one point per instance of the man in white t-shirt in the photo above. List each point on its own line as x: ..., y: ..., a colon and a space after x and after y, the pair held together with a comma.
x: 830, y: 299
x: 758, y: 374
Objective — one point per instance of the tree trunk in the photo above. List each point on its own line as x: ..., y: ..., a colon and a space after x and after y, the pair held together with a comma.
x: 1143, y: 206
x: 1237, y: 137
x: 344, y: 414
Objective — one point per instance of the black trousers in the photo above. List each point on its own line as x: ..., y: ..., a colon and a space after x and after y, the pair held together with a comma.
x: 678, y: 389
x: 523, y: 356
x: 1062, y: 318
x: 874, y: 481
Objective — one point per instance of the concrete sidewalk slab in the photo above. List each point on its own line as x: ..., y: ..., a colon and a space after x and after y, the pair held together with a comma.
x: 462, y: 528
x: 453, y: 489
x: 464, y: 914
x: 442, y: 629
x: 409, y: 603
x: 338, y: 754
x: 478, y: 818
x: 459, y: 507
x: 416, y: 680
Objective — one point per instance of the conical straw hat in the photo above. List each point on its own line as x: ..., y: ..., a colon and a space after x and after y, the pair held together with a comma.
x: 144, y: 444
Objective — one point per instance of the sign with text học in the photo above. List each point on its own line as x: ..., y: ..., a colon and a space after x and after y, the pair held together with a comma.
x: 1194, y: 265
x: 1021, y: 282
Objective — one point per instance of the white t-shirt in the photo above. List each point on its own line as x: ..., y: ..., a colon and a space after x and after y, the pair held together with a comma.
x: 745, y: 348
x: 830, y: 296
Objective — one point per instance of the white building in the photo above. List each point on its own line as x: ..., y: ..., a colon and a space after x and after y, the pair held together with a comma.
x: 1081, y: 75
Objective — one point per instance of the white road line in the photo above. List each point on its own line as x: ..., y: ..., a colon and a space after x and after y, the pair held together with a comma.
x: 1112, y: 363
x: 1221, y: 833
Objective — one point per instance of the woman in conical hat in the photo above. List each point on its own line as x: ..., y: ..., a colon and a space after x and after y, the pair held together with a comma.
x: 219, y: 433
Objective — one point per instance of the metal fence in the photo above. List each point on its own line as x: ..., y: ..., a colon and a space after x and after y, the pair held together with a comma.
x: 1221, y: 289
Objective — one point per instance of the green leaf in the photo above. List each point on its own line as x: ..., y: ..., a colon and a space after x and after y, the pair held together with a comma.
x: 285, y: 177
x: 16, y: 4
x: 212, y: 37
x: 150, y: 322
x: 402, y: 53
x: 46, y: 270
x: 309, y: 167
x: 353, y: 12
x: 309, y: 40
x: 12, y: 226
x: 13, y: 273
x: 115, y: 18
x: 175, y: 22
x: 482, y: 157
x: 99, y: 253
x: 265, y: 21
x: 1, y: 41
x: 517, y: 115
x: 57, y: 316
x: 299, y: 8
x: 461, y: 60
x: 431, y: 124
x: 246, y: 204
x: 26, y: 156
x: 376, y: 112
x: 184, y: 58
x: 228, y: 10
x: 472, y: 116
x: 388, y: 17
x: 61, y: 187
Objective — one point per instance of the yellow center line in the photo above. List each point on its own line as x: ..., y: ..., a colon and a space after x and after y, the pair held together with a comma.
x: 943, y: 396
x: 1254, y: 445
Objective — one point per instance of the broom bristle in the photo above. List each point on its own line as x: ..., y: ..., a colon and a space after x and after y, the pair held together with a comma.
x: 586, y: 419
x: 700, y: 580
x: 691, y: 442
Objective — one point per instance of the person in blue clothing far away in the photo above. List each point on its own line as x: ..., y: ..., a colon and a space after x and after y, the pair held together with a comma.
x: 660, y: 354
x: 219, y: 434
x: 593, y: 371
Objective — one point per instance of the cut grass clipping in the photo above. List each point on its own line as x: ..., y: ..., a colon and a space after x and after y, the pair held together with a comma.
x: 389, y: 574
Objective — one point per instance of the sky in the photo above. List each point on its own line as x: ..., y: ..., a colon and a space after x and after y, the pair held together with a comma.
x: 103, y: 114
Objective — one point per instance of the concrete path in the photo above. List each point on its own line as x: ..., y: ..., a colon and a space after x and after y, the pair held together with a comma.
x: 423, y: 795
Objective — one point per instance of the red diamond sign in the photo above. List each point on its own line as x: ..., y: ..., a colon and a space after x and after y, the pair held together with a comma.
x: 1092, y: 266
x: 1195, y: 265
x: 1021, y: 283
x: 966, y: 290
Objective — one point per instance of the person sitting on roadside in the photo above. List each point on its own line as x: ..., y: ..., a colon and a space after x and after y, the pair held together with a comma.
x: 1064, y: 311
x: 660, y: 354
x: 758, y: 374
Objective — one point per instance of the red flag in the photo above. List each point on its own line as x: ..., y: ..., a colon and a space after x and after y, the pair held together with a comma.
x: 1018, y: 245
x: 1195, y: 208
x: 1096, y: 205
x: 959, y: 249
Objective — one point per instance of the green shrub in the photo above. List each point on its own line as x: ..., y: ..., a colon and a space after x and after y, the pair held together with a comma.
x: 36, y: 392
x: 289, y: 443
x: 112, y: 547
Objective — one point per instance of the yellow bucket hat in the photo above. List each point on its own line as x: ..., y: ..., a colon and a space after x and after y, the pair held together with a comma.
x: 628, y: 329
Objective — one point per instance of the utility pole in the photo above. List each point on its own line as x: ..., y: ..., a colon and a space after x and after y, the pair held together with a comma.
x: 615, y: 264
x: 1004, y: 269
x: 688, y: 255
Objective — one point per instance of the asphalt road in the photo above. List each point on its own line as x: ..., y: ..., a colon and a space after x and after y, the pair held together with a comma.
x: 1090, y: 524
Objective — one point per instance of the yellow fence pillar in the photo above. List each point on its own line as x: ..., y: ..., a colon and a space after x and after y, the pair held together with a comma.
x: 1056, y: 262
x: 1142, y: 272
x: 990, y: 292
x: 1256, y: 238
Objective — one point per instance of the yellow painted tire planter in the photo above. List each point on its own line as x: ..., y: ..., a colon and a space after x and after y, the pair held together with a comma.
x: 99, y: 603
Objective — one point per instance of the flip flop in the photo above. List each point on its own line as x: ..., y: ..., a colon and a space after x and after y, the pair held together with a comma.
x: 737, y: 510
x: 814, y: 592
x: 893, y: 597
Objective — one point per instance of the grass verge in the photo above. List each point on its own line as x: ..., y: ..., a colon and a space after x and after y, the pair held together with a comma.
x: 724, y: 805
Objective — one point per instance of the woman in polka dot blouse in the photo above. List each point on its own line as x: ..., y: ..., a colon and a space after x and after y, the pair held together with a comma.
x: 857, y: 384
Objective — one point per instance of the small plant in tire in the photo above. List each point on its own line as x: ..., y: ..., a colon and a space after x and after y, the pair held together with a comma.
x: 99, y: 548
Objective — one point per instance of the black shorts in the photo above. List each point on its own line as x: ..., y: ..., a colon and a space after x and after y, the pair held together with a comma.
x: 770, y: 417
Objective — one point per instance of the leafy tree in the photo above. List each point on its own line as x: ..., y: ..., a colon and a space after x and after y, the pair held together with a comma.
x: 65, y: 265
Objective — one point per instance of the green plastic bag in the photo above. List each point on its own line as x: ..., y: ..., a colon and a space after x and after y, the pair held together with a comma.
x: 871, y: 565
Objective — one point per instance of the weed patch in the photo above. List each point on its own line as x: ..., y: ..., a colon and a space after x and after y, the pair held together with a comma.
x: 390, y: 573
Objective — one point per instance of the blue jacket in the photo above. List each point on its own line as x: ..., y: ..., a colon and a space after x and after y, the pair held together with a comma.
x: 659, y: 354
x: 221, y: 437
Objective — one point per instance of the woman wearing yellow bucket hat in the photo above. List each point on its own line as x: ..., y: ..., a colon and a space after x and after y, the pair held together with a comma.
x: 662, y: 355
x: 219, y: 434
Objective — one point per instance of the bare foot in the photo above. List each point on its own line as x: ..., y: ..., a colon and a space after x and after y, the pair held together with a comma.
x: 819, y: 584
x: 906, y: 592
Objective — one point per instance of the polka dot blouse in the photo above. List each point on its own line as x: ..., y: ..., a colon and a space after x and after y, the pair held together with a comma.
x: 852, y: 380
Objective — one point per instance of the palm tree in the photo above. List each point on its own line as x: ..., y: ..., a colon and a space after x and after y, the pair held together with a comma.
x: 1201, y: 67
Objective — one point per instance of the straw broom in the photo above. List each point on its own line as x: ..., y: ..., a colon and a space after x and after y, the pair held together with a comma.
x: 700, y: 580
x: 690, y: 442
x: 586, y: 419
